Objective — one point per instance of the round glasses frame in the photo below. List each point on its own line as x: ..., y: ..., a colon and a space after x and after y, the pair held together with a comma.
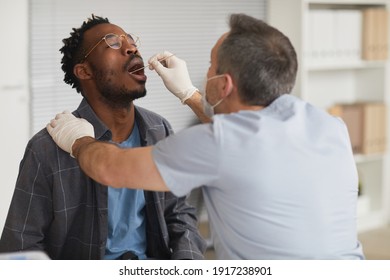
x: 114, y: 42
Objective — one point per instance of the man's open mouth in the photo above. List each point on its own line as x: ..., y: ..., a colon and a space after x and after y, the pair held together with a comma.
x: 136, y: 69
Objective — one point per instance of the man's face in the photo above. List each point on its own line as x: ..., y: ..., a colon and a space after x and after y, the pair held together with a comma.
x: 111, y: 67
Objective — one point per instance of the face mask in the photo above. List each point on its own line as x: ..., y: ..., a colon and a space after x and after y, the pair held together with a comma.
x: 208, y: 109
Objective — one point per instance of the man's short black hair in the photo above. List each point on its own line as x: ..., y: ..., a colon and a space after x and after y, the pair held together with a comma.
x: 73, y: 49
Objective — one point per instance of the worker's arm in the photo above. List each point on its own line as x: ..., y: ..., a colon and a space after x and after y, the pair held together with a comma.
x: 105, y: 162
x: 195, y: 103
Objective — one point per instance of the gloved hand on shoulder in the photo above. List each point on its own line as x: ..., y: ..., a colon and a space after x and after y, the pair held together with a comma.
x: 65, y: 129
x: 174, y: 75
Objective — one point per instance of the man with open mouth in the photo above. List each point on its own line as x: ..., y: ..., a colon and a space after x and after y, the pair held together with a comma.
x: 57, y: 208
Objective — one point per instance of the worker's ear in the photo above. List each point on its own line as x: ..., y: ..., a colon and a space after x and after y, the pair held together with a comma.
x: 228, y: 86
x: 82, y: 71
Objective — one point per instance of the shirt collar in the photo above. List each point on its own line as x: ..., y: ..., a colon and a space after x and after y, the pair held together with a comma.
x: 85, y: 111
x: 102, y: 132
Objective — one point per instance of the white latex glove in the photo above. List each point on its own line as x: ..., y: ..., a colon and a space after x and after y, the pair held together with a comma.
x: 175, y: 75
x: 65, y: 129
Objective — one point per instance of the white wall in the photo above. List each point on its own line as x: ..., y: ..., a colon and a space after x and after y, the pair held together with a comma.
x: 14, y: 96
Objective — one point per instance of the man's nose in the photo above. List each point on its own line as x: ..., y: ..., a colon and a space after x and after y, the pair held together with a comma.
x: 129, y: 49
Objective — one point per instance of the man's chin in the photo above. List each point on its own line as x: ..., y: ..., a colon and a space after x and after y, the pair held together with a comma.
x: 139, y: 95
x: 123, y: 101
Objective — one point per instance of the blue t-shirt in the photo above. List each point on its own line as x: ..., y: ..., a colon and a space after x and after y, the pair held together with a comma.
x: 126, y: 216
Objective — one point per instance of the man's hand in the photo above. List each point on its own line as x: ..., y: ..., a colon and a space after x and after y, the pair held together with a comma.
x: 175, y: 75
x: 65, y: 129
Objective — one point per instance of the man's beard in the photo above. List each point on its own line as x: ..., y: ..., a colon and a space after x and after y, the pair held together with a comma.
x: 117, y: 97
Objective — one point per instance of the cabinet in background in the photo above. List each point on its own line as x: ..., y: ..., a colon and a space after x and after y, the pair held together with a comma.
x: 329, y: 73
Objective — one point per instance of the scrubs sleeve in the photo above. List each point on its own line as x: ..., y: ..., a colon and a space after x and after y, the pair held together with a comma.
x: 188, y: 159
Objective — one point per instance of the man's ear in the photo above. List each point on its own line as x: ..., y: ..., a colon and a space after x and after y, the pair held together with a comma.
x: 229, y: 85
x: 82, y: 71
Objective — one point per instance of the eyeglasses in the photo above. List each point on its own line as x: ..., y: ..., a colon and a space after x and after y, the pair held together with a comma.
x: 114, y: 41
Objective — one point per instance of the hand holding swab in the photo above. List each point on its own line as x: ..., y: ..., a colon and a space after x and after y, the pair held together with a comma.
x: 175, y: 75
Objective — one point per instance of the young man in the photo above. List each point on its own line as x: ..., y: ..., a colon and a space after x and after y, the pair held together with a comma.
x: 58, y: 208
x: 279, y: 176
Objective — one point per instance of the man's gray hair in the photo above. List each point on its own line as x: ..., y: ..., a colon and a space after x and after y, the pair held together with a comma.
x: 261, y: 60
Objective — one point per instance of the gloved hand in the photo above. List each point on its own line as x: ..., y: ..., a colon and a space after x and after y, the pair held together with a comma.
x: 175, y: 75
x: 65, y: 129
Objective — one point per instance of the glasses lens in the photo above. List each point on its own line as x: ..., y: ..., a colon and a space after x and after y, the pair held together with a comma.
x: 113, y: 41
x: 133, y: 40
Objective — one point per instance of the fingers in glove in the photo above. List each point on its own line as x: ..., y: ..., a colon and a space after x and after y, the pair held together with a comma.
x: 160, y: 56
x: 49, y: 128
x: 53, y: 123
x: 160, y: 59
x: 157, y: 66
x: 66, y: 115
